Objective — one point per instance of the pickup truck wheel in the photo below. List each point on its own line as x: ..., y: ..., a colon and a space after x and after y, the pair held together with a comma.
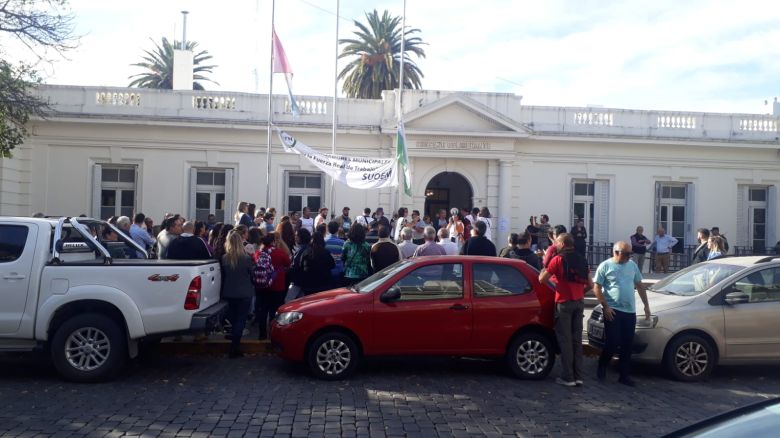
x: 531, y: 356
x: 333, y: 356
x: 89, y: 348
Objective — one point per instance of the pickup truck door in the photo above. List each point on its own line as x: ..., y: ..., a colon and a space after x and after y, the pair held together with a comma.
x: 17, y: 250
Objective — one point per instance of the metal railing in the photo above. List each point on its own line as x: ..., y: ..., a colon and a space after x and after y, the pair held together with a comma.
x: 598, y: 252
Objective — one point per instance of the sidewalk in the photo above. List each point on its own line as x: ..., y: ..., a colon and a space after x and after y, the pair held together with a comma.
x: 213, y: 344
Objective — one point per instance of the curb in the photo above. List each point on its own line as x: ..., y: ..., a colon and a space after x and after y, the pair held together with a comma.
x: 211, y: 347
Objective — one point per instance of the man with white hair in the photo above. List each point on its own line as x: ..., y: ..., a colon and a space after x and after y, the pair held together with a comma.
x: 614, y: 286
x: 123, y: 223
x: 406, y: 246
x: 430, y: 247
x: 450, y: 247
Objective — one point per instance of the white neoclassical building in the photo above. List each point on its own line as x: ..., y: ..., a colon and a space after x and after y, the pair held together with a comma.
x: 111, y: 151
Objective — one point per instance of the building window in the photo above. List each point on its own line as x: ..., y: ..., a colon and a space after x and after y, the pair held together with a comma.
x: 674, y: 211
x: 117, y: 191
x: 304, y: 189
x: 590, y: 204
x: 756, y: 216
x: 210, y: 193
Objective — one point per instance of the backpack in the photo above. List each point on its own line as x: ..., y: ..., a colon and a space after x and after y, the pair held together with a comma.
x: 263, y: 272
x: 575, y: 267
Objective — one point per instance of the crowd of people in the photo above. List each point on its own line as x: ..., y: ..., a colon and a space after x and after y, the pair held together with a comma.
x: 267, y: 261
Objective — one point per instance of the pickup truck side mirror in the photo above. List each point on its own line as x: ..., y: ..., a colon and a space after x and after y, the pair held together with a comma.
x: 391, y: 294
x: 736, y: 297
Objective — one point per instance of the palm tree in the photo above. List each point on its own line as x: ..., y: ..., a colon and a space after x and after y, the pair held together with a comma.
x: 377, y: 57
x: 159, y: 66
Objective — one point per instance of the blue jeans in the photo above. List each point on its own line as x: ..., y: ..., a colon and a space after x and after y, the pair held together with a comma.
x: 619, y: 336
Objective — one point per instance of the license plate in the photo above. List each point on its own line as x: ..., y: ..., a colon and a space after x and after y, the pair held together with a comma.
x: 595, y: 331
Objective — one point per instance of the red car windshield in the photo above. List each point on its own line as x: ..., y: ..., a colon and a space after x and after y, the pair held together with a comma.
x: 371, y: 283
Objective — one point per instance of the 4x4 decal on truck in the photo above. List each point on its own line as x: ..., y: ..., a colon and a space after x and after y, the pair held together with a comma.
x: 158, y: 277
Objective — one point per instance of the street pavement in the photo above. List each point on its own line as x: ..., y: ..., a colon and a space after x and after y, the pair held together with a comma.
x: 261, y: 395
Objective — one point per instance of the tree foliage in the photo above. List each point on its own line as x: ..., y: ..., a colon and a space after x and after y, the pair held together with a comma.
x: 42, y: 26
x: 376, y: 57
x: 159, y: 66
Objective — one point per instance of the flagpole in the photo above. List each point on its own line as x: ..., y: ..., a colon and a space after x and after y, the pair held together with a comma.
x: 333, y: 108
x: 270, y: 112
x: 400, y: 100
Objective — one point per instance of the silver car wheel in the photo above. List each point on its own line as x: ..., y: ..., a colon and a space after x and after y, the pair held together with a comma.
x: 87, y: 349
x: 333, y: 357
x: 691, y: 359
x: 532, y: 357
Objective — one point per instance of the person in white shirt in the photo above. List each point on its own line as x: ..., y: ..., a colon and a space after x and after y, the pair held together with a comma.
x: 400, y: 223
x: 484, y: 216
x: 307, y: 221
x: 321, y: 218
x: 366, y: 219
x: 472, y: 217
x: 662, y: 246
x: 406, y: 246
x: 450, y: 247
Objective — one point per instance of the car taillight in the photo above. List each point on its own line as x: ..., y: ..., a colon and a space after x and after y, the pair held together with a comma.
x: 192, y: 302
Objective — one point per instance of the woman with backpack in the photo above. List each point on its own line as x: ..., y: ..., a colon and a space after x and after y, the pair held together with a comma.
x: 571, y: 275
x: 237, y: 288
x: 356, y: 256
x: 272, y: 289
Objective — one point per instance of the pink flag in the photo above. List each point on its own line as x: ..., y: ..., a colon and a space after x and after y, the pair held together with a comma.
x: 282, y: 65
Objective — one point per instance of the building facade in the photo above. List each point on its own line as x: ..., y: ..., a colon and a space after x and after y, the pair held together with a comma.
x: 115, y: 151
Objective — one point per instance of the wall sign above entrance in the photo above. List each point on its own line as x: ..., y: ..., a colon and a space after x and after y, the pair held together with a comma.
x: 454, y: 145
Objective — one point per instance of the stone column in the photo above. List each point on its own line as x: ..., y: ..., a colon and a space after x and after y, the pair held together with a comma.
x: 504, y: 225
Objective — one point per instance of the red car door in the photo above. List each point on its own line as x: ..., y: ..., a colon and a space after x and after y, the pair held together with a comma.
x: 432, y: 316
x: 504, y: 299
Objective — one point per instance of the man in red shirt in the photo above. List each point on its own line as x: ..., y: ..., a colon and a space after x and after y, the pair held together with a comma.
x: 571, y: 275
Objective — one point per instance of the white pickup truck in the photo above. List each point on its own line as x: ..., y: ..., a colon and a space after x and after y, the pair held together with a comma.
x: 89, y: 301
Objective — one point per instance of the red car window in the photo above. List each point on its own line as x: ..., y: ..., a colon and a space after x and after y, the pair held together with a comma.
x: 491, y: 280
x: 432, y: 282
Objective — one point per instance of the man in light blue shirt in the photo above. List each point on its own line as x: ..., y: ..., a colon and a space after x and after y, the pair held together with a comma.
x: 139, y: 234
x: 662, y: 247
x: 614, y: 288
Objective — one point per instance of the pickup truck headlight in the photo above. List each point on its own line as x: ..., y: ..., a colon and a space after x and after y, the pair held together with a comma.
x: 288, y: 318
x: 642, y: 323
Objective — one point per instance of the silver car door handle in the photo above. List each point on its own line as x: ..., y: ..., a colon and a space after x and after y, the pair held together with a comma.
x: 14, y: 277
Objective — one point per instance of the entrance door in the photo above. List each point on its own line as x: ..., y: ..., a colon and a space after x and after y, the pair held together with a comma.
x: 673, y: 211
x: 447, y: 190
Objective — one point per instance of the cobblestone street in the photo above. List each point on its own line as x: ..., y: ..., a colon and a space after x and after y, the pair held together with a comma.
x: 262, y: 395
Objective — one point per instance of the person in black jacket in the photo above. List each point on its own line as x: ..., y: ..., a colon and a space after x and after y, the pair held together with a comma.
x: 237, y: 288
x: 188, y: 246
x: 315, y: 265
x: 702, y: 251
x: 478, y: 244
x: 520, y: 248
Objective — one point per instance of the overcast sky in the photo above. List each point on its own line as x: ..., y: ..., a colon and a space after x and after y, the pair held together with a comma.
x: 721, y: 56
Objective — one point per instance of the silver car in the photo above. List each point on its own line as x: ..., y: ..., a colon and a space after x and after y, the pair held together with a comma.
x: 722, y: 311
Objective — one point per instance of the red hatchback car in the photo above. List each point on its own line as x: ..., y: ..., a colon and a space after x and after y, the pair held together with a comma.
x: 450, y: 306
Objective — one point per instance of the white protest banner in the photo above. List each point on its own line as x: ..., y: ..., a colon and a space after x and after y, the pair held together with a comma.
x: 355, y: 172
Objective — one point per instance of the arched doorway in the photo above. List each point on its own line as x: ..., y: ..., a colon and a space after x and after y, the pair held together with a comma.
x: 447, y: 190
